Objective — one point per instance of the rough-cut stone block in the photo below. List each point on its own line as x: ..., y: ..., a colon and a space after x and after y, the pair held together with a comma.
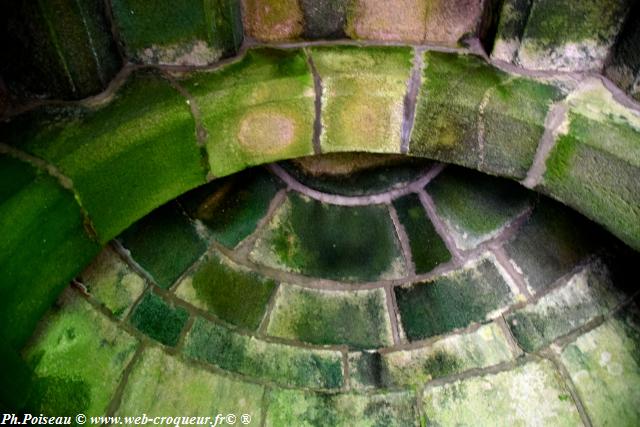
x: 355, y: 318
x: 511, y: 25
x: 624, y: 67
x: 324, y: 19
x: 257, y: 109
x: 532, y: 394
x: 362, y: 97
x: 159, y: 319
x: 184, y: 32
x: 273, y: 20
x: 58, y: 48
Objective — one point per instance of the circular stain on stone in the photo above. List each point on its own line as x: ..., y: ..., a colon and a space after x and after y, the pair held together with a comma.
x: 266, y: 132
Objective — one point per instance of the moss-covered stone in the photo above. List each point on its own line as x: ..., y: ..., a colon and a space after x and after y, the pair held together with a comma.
x: 343, y: 243
x: 228, y: 291
x: 257, y: 109
x: 292, y: 407
x: 112, y: 283
x: 362, y: 96
x: 162, y: 385
x: 142, y: 141
x: 355, y: 318
x: 605, y: 369
x: 278, y: 363
x: 273, y: 20
x: 159, y: 319
x: 78, y: 358
x: 550, y: 244
x: 587, y: 294
x: 571, y: 35
x: 58, y: 48
x: 178, y: 32
x: 165, y: 243
x: 454, y: 300
x: 476, y: 207
x: 324, y: 19
x: 595, y: 166
x: 428, y: 250
x: 231, y: 208
x: 511, y: 26
x: 532, y: 394
x: 481, y: 348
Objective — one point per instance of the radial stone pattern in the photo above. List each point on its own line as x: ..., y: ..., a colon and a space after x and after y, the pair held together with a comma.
x: 320, y: 213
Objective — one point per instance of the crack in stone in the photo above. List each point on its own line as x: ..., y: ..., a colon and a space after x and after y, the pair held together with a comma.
x: 411, y: 98
x: 318, y: 90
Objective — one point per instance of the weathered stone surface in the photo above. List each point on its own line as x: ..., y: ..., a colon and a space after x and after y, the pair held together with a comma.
x: 278, y: 363
x: 476, y: 207
x: 324, y: 19
x: 532, y: 394
x: 624, y: 67
x: 257, y: 109
x: 183, y: 32
x: 362, y: 97
x: 586, y: 295
x: 511, y: 26
x: 230, y: 292
x: 454, y: 354
x: 454, y: 300
x: 355, y: 318
x: 112, y: 283
x: 605, y: 368
x: 58, y: 48
x: 163, y: 385
x: 159, y: 319
x: 337, y: 242
x: 78, y: 358
x: 594, y: 166
x: 291, y: 407
x: 273, y: 20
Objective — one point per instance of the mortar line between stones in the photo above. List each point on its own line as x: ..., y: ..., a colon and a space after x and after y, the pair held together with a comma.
x: 264, y: 403
x: 125, y: 255
x: 569, y: 384
x: 411, y: 98
x: 266, y: 318
x: 514, y: 276
x: 179, y: 347
x: 63, y: 180
x: 393, y: 317
x: 555, y: 118
x: 403, y: 238
x: 438, y: 224
x: 116, y: 400
x: 346, y: 374
x: 318, y: 91
x: 511, y: 340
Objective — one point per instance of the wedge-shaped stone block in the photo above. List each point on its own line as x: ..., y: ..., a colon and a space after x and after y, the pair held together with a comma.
x: 183, y: 32
x: 231, y: 208
x: 586, y: 295
x: 355, y: 318
x: 292, y: 407
x: 474, y: 293
x: 363, y: 92
x: 159, y: 319
x: 257, y: 109
x: 476, y: 207
x: 277, y: 363
x: 594, y: 166
x: 483, y: 347
x: 273, y: 20
x: 163, y: 385
x: 511, y: 26
x: 605, y: 370
x: 337, y: 242
x: 165, y: 243
x: 112, y: 283
x: 78, y: 358
x: 142, y: 141
x: 571, y: 35
x: 428, y: 250
x: 232, y: 293
x: 532, y: 394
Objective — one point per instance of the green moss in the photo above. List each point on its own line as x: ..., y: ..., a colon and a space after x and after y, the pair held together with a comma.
x: 362, y: 100
x: 164, y: 243
x: 292, y: 407
x: 232, y: 207
x: 345, y: 243
x: 164, y: 385
x: 257, y: 109
x: 354, y: 318
x: 427, y: 248
x: 452, y: 301
x: 513, y: 19
x: 278, y: 363
x: 476, y: 206
x: 232, y: 294
x: 158, y: 319
x: 78, y: 358
x: 14, y: 176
